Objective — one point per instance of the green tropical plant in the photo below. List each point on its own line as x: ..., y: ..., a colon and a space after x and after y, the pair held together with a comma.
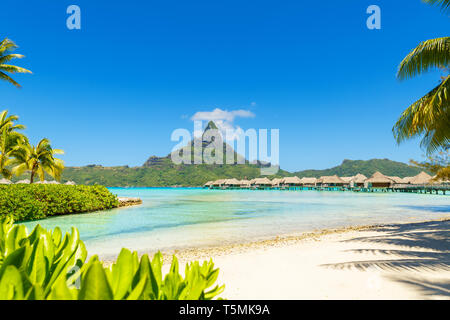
x: 25, y: 202
x: 429, y: 116
x: 46, y: 265
x: 6, y: 47
x: 38, y: 160
x: 9, y: 139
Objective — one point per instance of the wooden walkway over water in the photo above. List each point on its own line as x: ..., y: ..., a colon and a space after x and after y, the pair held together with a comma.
x: 423, y: 189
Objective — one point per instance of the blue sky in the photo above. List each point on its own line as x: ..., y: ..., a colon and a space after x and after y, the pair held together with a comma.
x: 113, y: 92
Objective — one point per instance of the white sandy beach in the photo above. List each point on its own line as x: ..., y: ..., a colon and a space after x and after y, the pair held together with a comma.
x: 401, y: 261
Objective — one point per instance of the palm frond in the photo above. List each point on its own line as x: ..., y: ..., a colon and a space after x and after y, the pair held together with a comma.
x: 6, y: 46
x: 444, y: 4
x: 10, y: 57
x: 428, y: 117
x: 13, y: 69
x: 7, y: 78
x: 434, y: 53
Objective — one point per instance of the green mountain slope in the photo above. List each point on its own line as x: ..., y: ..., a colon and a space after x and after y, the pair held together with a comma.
x: 366, y: 167
x: 161, y: 172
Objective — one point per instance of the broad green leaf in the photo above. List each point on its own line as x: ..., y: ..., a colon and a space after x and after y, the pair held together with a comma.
x: 35, y: 293
x: 122, y: 274
x: 138, y: 292
x: 14, y: 237
x: 11, y: 287
x: 94, y: 285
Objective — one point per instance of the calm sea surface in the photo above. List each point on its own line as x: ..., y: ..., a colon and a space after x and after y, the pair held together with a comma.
x: 180, y: 218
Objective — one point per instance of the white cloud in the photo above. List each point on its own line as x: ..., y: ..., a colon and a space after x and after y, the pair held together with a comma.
x: 224, y: 120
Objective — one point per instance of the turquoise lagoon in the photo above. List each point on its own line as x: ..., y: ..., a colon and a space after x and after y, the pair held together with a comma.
x: 175, y: 218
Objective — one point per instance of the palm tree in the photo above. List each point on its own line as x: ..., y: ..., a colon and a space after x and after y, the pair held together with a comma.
x: 6, y: 47
x: 9, y: 139
x: 38, y: 160
x: 429, y: 116
x: 445, y: 4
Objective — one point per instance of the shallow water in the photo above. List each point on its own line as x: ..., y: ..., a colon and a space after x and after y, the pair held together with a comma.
x: 180, y: 218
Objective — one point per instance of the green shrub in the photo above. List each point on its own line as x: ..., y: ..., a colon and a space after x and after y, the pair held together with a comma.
x: 36, y: 201
x: 46, y: 265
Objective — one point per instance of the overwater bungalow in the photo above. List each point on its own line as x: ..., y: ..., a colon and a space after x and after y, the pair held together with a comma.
x: 421, y: 179
x: 308, y: 182
x: 261, y: 183
x: 277, y: 182
x: 208, y: 184
x: 218, y: 183
x: 245, y: 184
x: 379, y: 180
x: 358, y: 180
x: 232, y: 183
x: 292, y: 182
x: 331, y: 181
x: 347, y: 179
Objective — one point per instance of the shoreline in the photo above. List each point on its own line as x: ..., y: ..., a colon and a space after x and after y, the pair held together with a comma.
x: 406, y: 260
x: 204, y: 252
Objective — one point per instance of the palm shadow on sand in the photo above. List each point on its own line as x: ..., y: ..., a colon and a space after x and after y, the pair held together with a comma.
x: 421, y: 247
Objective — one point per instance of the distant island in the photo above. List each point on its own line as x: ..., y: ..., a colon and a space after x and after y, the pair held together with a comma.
x: 161, y: 172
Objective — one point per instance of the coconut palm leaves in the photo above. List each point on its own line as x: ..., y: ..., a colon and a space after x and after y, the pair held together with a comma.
x: 38, y: 160
x: 445, y: 4
x: 430, y: 54
x: 9, y: 139
x: 429, y: 116
x: 6, y: 47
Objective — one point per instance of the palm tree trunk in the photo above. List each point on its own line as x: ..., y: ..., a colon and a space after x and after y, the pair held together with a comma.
x: 32, y: 173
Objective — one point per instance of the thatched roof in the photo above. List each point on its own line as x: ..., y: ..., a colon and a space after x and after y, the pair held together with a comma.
x: 330, y: 179
x: 292, y: 180
x: 276, y: 181
x: 232, y: 182
x: 396, y: 179
x: 347, y: 179
x: 261, y: 181
x: 244, y: 182
x: 421, y: 178
x: 407, y: 179
x: 378, y: 177
x: 206, y: 184
x: 5, y: 181
x: 218, y: 182
x: 306, y: 180
x: 359, y: 178
x: 25, y: 181
x: 46, y: 182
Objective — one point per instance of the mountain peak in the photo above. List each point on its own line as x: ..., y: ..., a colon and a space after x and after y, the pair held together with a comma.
x: 211, y: 126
